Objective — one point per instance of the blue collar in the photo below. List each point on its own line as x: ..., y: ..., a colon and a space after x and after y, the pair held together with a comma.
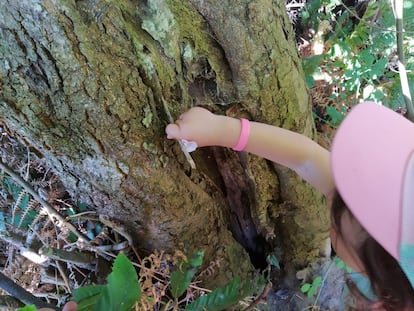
x: 407, y: 261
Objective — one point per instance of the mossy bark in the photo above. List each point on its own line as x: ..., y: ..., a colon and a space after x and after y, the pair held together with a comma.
x: 83, y: 82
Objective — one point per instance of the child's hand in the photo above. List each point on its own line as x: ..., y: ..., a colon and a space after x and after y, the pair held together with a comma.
x: 197, y: 124
x: 69, y: 306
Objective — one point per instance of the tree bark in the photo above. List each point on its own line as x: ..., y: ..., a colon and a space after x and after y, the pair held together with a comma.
x: 83, y: 82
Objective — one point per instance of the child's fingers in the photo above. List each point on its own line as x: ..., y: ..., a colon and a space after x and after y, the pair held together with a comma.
x: 70, y: 306
x: 172, y: 131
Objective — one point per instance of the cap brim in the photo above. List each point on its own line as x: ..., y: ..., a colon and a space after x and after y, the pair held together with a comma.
x: 369, y: 155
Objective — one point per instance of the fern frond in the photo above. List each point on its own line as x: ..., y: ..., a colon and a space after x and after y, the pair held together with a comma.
x: 17, y: 203
x: 19, y: 198
x: 32, y: 204
x: 42, y: 183
x: 224, y: 297
x: 212, y: 268
x: 33, y: 229
x: 2, y: 203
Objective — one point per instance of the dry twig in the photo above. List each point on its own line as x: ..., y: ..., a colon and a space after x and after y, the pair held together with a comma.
x: 261, y: 298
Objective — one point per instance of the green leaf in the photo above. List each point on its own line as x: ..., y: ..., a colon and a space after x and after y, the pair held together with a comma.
x: 272, y: 260
x: 123, y: 289
x: 340, y: 264
x: 317, y: 281
x: 12, y: 188
x: 305, y: 288
x: 377, y: 70
x: 27, y: 308
x: 24, y: 202
x: 29, y: 217
x: 72, y: 237
x: 105, y: 304
x: 86, y: 297
x: 305, y: 15
x: 311, y: 291
x: 314, y: 286
x: 196, y: 259
x: 311, y: 63
x: 310, y: 81
x: 366, y: 57
x: 335, y: 115
x: 181, y: 278
x: 2, y: 222
x: 70, y: 211
x: 82, y: 206
x: 222, y: 298
x: 120, y: 294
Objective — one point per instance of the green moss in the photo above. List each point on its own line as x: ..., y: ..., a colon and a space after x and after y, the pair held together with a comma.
x: 150, y: 147
x: 149, y: 59
x: 159, y: 22
x: 187, y: 52
x: 197, y: 42
x: 163, y: 160
x: 144, y: 60
x: 148, y: 116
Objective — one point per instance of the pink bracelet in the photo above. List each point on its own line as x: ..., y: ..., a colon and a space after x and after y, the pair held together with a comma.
x: 244, y: 135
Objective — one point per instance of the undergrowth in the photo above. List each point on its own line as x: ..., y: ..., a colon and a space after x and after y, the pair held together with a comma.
x: 352, y: 55
x: 155, y: 288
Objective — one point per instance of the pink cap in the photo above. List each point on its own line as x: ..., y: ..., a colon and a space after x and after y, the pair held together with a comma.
x: 369, y: 156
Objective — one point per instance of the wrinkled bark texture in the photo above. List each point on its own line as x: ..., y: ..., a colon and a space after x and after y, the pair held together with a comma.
x: 83, y: 82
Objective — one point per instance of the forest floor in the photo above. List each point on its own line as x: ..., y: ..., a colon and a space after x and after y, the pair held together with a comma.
x: 53, y: 281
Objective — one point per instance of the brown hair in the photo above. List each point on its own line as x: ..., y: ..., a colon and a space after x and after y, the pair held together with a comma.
x: 388, y: 282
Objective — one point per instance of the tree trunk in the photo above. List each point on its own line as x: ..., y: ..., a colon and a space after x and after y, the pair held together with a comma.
x: 84, y: 82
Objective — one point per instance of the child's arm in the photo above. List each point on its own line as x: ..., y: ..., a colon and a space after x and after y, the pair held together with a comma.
x: 287, y: 148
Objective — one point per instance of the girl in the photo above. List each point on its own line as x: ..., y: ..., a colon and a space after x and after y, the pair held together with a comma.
x: 368, y: 178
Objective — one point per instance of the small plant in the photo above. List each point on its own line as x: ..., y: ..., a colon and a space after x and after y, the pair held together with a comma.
x: 124, y: 289
x: 120, y: 293
x: 316, y: 287
x: 27, y: 308
x: 181, y: 278
x: 222, y: 298
x: 23, y: 212
x: 340, y: 264
x: 311, y: 288
x: 273, y: 261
